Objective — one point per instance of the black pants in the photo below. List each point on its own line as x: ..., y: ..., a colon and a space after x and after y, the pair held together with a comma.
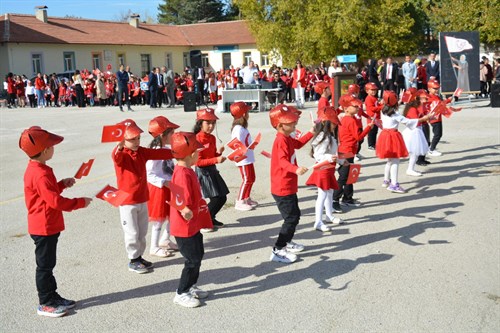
x: 427, y: 134
x: 153, y: 93
x: 79, y: 96
x: 437, y: 133
x: 359, y: 145
x: 45, y: 255
x: 31, y: 98
x: 389, y: 85
x: 345, y: 190
x: 372, y: 136
x: 215, y: 205
x: 171, y: 95
x: 288, y: 206
x: 159, y: 96
x: 192, y: 250
x: 123, y: 90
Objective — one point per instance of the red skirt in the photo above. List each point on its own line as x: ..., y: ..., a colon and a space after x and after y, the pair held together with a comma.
x: 324, y: 179
x: 390, y: 144
x: 158, y: 208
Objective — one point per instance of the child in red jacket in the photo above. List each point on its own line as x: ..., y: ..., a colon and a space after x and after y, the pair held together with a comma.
x: 373, y: 108
x: 437, y: 122
x: 130, y: 167
x: 45, y: 205
x: 284, y: 179
x: 185, y: 224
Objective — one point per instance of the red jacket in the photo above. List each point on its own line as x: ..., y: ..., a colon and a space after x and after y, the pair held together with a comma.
x: 372, y: 107
x: 437, y: 98
x: 284, y: 180
x: 207, y: 156
x: 296, y: 78
x: 42, y: 194
x: 322, y: 103
x: 186, y: 178
x: 11, y: 86
x: 130, y: 169
x: 39, y: 84
x: 414, y: 113
x: 349, y: 135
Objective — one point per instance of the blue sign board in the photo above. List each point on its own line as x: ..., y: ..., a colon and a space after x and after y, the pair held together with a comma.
x: 347, y: 58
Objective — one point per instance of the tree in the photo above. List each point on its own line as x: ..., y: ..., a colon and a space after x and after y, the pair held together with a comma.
x: 319, y: 29
x: 192, y: 11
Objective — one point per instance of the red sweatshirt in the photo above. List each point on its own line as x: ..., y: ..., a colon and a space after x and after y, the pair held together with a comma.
x: 437, y: 98
x: 322, y: 103
x: 414, y: 113
x: 207, y: 156
x: 349, y: 135
x: 284, y: 180
x: 130, y: 169
x: 372, y: 107
x: 42, y: 194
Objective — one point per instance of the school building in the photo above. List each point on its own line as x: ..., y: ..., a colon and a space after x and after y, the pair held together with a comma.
x: 38, y: 43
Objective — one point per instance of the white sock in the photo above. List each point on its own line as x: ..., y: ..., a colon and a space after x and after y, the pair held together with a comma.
x: 387, y: 170
x: 394, y: 170
x: 155, y: 235
x: 320, y: 202
x: 328, y: 204
x: 165, y: 237
x: 411, y: 163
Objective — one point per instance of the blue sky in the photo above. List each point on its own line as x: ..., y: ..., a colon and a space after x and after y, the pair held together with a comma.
x: 89, y: 9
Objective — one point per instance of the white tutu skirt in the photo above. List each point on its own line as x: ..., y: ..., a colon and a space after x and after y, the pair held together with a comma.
x: 415, y: 141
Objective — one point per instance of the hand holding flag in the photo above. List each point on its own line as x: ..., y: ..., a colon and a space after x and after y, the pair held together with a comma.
x: 113, y: 133
x: 112, y: 195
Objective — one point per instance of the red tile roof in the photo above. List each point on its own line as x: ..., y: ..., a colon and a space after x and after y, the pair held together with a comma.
x: 28, y: 29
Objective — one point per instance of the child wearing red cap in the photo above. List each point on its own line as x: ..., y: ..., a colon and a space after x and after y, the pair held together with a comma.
x: 390, y: 143
x: 323, y: 88
x: 159, y: 174
x: 436, y: 123
x: 284, y: 179
x: 42, y: 194
x: 324, y: 148
x: 212, y: 184
x: 239, y: 111
x: 349, y: 137
x: 130, y: 167
x: 187, y: 222
x: 373, y: 108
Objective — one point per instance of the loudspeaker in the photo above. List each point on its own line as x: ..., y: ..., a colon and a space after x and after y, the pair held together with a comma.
x: 189, y: 100
x: 495, y: 95
x: 195, y: 58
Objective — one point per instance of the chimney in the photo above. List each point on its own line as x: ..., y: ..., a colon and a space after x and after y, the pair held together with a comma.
x: 41, y: 13
x: 134, y: 20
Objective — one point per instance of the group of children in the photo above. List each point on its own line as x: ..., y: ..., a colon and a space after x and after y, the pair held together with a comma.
x: 188, y: 160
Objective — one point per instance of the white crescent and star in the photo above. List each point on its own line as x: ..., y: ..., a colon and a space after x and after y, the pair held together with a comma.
x: 177, y: 202
x: 109, y: 193
x: 118, y: 132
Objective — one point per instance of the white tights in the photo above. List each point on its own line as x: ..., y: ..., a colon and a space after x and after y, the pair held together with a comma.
x: 411, y: 163
x: 391, y: 170
x: 156, y: 231
x: 325, y: 199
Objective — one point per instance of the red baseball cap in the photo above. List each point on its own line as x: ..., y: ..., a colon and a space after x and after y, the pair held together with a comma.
x: 160, y: 124
x: 131, y: 129
x: 320, y: 87
x: 283, y: 114
x: 433, y: 84
x: 413, y: 93
x: 239, y: 109
x: 371, y: 86
x: 184, y: 144
x: 353, y: 89
x: 328, y: 113
x: 422, y: 93
x: 347, y: 100
x: 206, y: 114
x: 35, y: 139
x: 390, y: 98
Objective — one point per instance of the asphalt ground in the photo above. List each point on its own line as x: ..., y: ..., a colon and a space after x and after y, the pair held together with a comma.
x: 427, y: 260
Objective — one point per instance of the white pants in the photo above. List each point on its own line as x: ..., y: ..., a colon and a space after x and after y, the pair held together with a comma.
x: 299, y: 95
x: 156, y: 231
x: 324, y: 200
x: 134, y: 221
x: 391, y: 170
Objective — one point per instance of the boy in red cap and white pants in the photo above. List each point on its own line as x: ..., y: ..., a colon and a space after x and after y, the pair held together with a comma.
x: 130, y: 167
x: 45, y: 205
x: 186, y: 223
x: 284, y: 179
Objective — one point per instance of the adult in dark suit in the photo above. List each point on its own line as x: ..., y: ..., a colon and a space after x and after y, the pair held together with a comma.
x: 432, y: 68
x: 168, y: 79
x: 153, y: 87
x: 161, y: 87
x: 389, y: 75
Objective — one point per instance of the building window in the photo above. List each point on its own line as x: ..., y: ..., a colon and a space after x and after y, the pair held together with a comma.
x: 247, y: 57
x: 97, y: 60
x: 36, y: 60
x: 145, y: 64
x: 121, y: 59
x: 204, y: 60
x: 69, y: 61
x: 264, y: 60
x: 186, y: 60
x: 168, y: 60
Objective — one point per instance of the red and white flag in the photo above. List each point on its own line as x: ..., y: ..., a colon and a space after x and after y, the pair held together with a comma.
x: 113, y: 133
x: 238, y: 155
x: 255, y: 141
x: 457, y: 44
x: 177, y: 199
x: 112, y: 195
x: 266, y: 154
x: 235, y: 144
x: 84, y: 169
x: 354, y: 170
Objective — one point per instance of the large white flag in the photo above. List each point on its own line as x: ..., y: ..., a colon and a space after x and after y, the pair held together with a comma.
x: 457, y: 44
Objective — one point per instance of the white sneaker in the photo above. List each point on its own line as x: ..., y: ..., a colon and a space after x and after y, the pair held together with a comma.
x: 187, y: 300
x: 434, y: 153
x: 206, y: 230
x: 197, y: 292
x: 322, y: 227
x: 358, y: 158
x: 294, y: 247
x: 242, y: 205
x: 160, y: 252
x: 336, y: 220
x: 169, y: 245
x: 283, y: 256
x: 413, y: 173
x: 252, y: 202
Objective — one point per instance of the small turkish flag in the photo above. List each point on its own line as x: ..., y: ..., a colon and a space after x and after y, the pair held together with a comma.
x: 255, y: 141
x: 406, y: 96
x: 204, y: 217
x: 354, y: 170
x: 439, y: 108
x: 266, y: 154
x: 323, y: 165
x: 235, y: 144
x: 112, y: 195
x: 113, y: 133
x: 238, y: 155
x: 84, y: 169
x: 177, y: 197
